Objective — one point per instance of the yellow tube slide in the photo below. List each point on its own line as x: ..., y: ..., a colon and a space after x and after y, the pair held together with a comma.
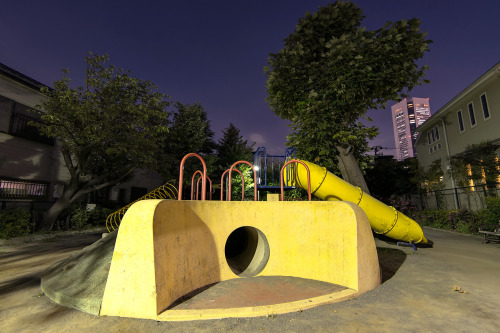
x: 385, y: 220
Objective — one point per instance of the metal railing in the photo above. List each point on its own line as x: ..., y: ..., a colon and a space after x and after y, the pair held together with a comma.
x: 19, y: 126
x: 469, y: 197
x: 166, y: 191
x: 23, y: 190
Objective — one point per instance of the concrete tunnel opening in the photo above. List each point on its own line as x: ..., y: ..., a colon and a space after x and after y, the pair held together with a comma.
x: 247, y: 251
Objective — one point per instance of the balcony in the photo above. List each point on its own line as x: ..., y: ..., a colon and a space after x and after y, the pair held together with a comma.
x: 19, y: 127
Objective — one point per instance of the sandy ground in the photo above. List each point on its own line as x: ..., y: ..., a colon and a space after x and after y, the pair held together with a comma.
x: 452, y: 287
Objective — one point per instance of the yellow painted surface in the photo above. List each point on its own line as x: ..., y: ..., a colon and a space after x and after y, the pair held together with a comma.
x: 273, y: 197
x: 383, y: 219
x: 166, y: 249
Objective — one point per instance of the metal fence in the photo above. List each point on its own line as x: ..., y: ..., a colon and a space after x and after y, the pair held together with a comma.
x: 15, y: 189
x: 471, y: 197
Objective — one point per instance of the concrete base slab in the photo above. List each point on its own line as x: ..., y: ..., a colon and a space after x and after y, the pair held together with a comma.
x: 255, y: 296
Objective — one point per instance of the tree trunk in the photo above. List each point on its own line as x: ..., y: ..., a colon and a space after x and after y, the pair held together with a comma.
x: 350, y: 170
x: 50, y: 217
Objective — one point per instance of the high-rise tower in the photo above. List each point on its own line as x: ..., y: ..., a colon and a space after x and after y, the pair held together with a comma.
x: 407, y: 115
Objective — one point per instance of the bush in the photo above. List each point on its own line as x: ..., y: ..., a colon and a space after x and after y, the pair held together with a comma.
x: 432, y: 218
x: 460, y: 220
x: 78, y: 217
x: 15, y: 222
x: 403, y: 205
x: 491, y: 214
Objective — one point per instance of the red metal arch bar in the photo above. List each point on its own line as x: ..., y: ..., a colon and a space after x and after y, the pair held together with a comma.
x: 181, y: 174
x: 243, y: 189
x: 198, y: 187
x: 308, y: 178
x: 222, y: 184
x: 193, y: 197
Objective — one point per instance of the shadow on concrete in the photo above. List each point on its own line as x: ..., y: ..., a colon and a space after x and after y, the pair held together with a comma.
x: 39, y: 257
x: 190, y: 295
x: 20, y: 282
x: 390, y: 261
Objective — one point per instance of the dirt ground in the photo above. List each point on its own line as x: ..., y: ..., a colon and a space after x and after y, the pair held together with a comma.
x: 454, y: 286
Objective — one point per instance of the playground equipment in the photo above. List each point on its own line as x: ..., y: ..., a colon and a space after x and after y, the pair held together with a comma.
x: 385, y: 220
x: 168, y: 249
x: 192, y: 244
x: 268, y: 168
x: 166, y: 191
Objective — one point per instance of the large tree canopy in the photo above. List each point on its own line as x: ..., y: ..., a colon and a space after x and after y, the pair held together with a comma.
x: 106, y: 129
x: 331, y: 71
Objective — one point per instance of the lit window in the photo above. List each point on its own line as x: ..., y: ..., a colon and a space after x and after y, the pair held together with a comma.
x: 469, y: 173
x: 471, y: 114
x: 460, y: 121
x: 484, y: 105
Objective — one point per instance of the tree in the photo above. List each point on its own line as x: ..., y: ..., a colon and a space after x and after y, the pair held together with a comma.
x: 431, y: 179
x: 388, y: 177
x: 331, y: 71
x: 105, y: 130
x: 478, y: 162
x: 190, y: 133
x: 231, y: 148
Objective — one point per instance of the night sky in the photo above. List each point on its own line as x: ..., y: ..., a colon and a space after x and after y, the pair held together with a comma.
x: 213, y: 52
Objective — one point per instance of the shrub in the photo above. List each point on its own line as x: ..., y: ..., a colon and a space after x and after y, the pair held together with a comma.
x: 403, y: 205
x: 15, y: 222
x: 97, y: 217
x: 490, y: 214
x: 462, y: 221
x: 78, y: 217
x: 432, y: 218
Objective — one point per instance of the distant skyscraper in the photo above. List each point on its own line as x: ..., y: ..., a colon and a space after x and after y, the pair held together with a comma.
x: 407, y: 115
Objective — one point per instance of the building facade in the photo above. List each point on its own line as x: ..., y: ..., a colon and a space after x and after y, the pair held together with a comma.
x: 407, y: 115
x: 31, y: 165
x: 471, y: 117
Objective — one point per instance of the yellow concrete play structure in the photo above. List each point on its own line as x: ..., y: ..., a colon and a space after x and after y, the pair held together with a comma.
x: 166, y: 249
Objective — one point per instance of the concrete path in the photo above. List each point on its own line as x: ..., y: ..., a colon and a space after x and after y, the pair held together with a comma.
x: 453, y: 287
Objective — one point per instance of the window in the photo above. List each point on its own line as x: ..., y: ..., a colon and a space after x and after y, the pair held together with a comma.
x: 484, y: 105
x: 5, y: 112
x: 471, y: 114
x: 460, y: 121
x: 433, y: 135
x: 19, y: 126
x: 15, y: 118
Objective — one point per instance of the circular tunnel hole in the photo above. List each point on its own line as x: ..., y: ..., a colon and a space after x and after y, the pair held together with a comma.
x: 247, y: 251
